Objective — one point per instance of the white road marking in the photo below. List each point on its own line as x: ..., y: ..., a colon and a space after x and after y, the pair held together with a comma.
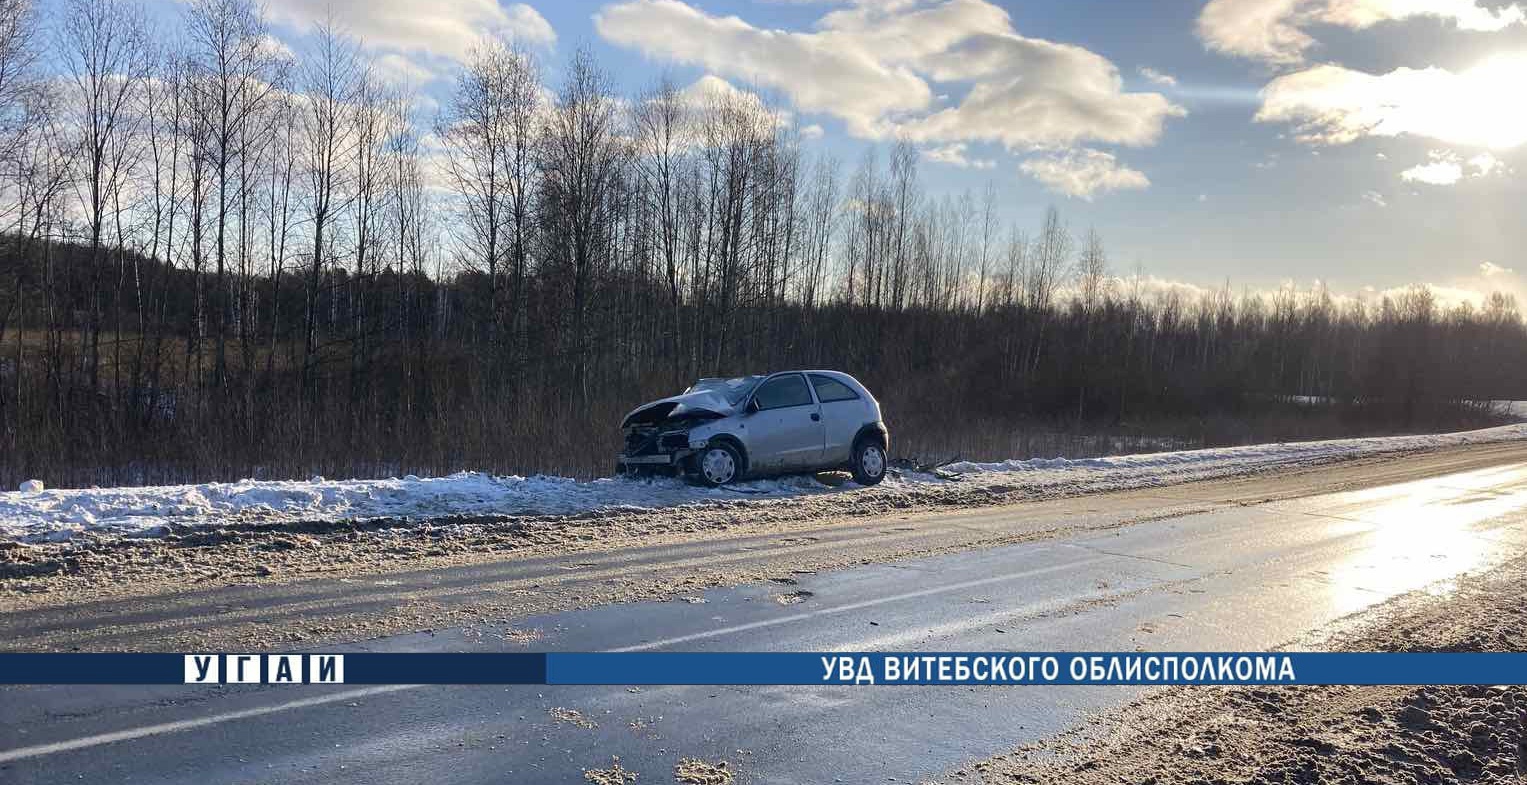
x: 131, y: 734
x: 854, y: 606
x: 40, y: 750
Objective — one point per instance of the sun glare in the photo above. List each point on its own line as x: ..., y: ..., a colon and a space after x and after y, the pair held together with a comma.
x: 1492, y: 90
x: 1431, y: 530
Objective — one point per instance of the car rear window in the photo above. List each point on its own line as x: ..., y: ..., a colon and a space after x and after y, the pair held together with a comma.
x: 783, y: 391
x: 830, y: 389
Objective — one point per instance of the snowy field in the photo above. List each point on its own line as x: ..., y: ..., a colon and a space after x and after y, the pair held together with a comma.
x: 57, y: 515
x: 1517, y: 410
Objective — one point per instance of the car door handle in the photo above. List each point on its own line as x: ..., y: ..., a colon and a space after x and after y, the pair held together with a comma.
x: 816, y: 417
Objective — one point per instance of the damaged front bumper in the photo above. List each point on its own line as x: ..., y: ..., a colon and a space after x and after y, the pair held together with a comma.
x: 664, y: 459
x: 649, y: 450
x: 657, y: 436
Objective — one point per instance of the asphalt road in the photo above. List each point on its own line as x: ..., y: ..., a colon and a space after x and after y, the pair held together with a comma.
x: 1205, y: 572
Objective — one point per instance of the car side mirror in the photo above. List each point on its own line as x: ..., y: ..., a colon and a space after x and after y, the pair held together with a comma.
x: 752, y: 407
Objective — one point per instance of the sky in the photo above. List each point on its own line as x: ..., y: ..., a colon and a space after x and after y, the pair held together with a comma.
x: 1367, y: 144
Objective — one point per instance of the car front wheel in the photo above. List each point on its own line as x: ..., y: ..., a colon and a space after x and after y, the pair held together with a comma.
x: 869, y: 462
x: 718, y: 465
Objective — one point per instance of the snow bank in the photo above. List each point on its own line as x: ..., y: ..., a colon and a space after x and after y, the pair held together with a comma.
x: 145, y: 511
x: 58, y: 514
x: 1516, y: 410
x: 1251, y: 456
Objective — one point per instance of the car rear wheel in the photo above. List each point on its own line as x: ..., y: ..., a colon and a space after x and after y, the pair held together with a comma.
x: 718, y: 465
x: 869, y: 462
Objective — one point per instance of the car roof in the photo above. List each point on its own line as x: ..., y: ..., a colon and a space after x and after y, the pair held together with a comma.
x: 840, y: 375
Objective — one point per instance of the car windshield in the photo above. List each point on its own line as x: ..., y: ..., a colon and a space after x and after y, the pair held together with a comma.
x: 734, y: 390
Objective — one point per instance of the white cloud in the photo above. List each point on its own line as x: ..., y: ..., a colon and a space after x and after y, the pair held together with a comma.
x: 875, y: 66
x: 1083, y: 173
x: 278, y: 48
x: 1261, y: 29
x: 1465, y: 14
x: 1330, y: 104
x: 1436, y: 172
x: 711, y: 89
x: 400, y: 69
x: 1157, y: 77
x: 1486, y: 164
x: 955, y: 155
x: 1473, y: 289
x: 818, y: 75
x: 1482, y: 279
x: 1273, y: 31
x: 448, y: 28
x: 1029, y: 92
x: 1375, y: 198
x: 813, y: 131
x: 1445, y: 167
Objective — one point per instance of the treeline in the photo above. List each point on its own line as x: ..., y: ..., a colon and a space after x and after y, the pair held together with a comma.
x: 220, y: 259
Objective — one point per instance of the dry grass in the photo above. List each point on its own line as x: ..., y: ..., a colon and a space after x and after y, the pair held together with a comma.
x: 694, y: 771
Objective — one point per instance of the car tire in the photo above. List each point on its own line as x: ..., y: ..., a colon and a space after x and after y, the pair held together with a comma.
x: 718, y: 464
x: 869, y: 462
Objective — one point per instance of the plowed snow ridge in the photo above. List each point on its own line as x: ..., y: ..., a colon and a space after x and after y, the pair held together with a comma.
x: 56, y: 515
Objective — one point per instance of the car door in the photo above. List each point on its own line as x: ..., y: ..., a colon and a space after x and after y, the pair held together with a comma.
x: 842, y: 417
x: 786, y: 430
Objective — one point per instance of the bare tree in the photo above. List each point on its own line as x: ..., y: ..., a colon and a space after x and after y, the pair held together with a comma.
x: 663, y: 124
x: 41, y: 159
x: 18, y: 53
x: 332, y: 80
x: 237, y: 73
x: 1051, y: 254
x: 284, y: 176
x: 904, y: 196
x: 583, y: 154
x: 821, y: 219
x: 106, y: 50
x: 491, y: 131
x: 988, y: 232
x: 373, y: 118
x: 1092, y: 272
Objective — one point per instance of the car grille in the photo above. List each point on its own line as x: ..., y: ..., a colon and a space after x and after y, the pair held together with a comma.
x: 640, y: 442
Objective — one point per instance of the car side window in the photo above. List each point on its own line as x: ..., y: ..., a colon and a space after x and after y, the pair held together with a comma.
x: 830, y: 389
x: 783, y: 391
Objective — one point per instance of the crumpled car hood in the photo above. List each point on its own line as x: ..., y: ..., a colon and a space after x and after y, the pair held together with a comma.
x: 704, y: 403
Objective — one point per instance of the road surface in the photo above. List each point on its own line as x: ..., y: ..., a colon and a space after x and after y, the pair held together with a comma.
x: 1245, y: 565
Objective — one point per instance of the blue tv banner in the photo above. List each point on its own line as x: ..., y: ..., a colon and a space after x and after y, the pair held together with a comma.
x: 877, y: 668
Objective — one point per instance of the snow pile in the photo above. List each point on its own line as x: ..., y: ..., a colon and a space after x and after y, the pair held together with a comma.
x: 1249, y: 457
x: 145, y: 511
x: 1516, y: 410
x: 58, y: 514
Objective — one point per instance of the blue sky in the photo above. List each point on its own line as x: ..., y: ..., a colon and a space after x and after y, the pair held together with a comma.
x: 1357, y: 142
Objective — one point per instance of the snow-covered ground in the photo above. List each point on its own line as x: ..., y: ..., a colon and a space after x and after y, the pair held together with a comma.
x: 56, y: 515
x: 1516, y: 410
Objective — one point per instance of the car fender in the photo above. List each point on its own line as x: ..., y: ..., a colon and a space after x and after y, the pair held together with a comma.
x: 876, y: 430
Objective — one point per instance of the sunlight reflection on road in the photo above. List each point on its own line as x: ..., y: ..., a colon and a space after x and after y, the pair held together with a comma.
x: 1424, y: 533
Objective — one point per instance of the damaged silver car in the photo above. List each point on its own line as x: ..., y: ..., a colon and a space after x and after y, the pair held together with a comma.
x: 722, y: 430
